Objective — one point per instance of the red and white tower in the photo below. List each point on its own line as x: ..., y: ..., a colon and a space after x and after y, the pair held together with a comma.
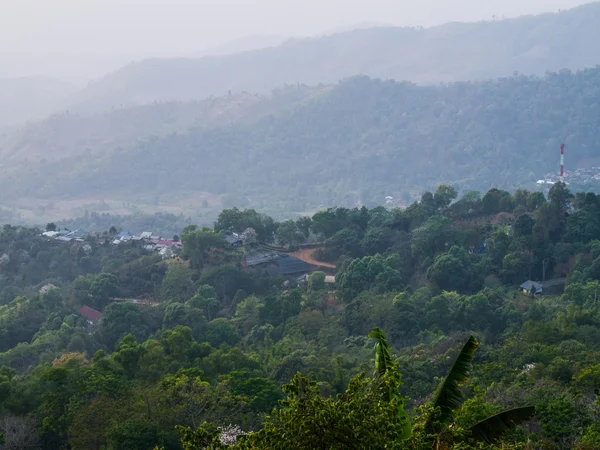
x: 562, y: 162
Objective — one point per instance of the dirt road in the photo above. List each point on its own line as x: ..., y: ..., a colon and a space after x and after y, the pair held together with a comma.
x: 306, y: 255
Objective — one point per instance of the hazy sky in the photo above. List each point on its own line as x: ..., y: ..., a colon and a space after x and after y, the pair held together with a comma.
x: 81, y: 39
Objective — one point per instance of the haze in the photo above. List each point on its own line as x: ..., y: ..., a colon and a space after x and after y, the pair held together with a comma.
x: 79, y: 40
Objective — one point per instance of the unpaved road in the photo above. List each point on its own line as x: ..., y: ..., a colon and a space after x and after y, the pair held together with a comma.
x: 306, y: 255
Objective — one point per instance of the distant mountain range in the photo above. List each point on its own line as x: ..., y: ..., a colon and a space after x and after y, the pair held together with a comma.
x: 302, y: 148
x: 451, y: 52
x: 182, y: 135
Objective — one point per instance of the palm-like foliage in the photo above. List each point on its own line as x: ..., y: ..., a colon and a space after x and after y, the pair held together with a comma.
x: 449, y: 396
x: 386, y: 367
x: 491, y: 429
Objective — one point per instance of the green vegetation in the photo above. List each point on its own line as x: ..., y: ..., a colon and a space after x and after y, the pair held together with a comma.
x: 350, y: 144
x: 425, y: 341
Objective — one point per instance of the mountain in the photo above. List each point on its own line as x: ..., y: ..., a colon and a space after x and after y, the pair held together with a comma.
x: 22, y: 99
x: 69, y: 135
x: 349, y: 144
x: 242, y: 45
x: 451, y: 52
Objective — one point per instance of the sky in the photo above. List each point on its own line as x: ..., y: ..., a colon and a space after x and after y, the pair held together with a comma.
x: 80, y: 40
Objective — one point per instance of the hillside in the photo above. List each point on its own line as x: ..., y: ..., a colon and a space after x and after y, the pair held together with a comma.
x: 115, y: 342
x: 22, y: 99
x: 71, y: 135
x: 350, y: 144
x: 451, y: 52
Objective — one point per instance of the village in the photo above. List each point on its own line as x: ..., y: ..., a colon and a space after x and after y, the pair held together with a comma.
x: 292, y: 265
x: 580, y: 176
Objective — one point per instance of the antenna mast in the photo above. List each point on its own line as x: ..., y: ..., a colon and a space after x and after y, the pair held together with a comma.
x: 562, y: 163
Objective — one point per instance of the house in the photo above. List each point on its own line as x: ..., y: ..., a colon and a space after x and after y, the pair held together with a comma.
x: 330, y: 279
x: 531, y: 287
x: 286, y: 265
x: 233, y: 240
x: 90, y: 314
x: 256, y: 259
x: 124, y: 236
x: 146, y: 235
x: 555, y: 286
x: 50, y: 234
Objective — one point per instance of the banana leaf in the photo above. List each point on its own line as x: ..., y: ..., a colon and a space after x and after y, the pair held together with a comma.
x: 383, y: 364
x: 449, y: 396
x: 490, y: 429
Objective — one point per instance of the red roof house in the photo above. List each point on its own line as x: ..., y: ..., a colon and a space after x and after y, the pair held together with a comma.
x: 90, y: 314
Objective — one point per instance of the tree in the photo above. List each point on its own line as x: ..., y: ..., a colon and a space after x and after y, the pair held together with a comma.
x: 368, y: 273
x: 177, y: 283
x: 560, y: 197
x: 385, y: 366
x: 449, y: 397
x: 19, y: 433
x: 51, y: 226
x: 104, y: 286
x: 451, y: 271
x: 524, y: 225
x: 288, y: 233
x: 206, y: 299
x: 235, y: 220
x: 307, y: 420
x: 444, y: 195
x: 197, y: 244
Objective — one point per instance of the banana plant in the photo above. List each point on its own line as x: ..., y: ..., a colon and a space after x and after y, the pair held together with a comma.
x: 449, y: 397
x: 386, y: 366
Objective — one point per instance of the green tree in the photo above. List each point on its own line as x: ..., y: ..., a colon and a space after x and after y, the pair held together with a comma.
x: 444, y: 195
x: 197, y: 243
x: 104, y: 287
x: 368, y: 273
x: 288, y: 233
x: 177, y: 283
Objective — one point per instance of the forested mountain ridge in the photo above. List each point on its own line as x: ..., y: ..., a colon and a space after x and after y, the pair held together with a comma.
x: 353, y: 143
x: 451, y: 52
x: 111, y: 345
x: 70, y: 134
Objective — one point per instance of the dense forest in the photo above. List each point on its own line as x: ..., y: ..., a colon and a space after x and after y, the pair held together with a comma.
x: 452, y: 52
x: 351, y: 144
x: 428, y: 337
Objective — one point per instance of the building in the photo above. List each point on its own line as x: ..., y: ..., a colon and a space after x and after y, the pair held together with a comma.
x: 555, y: 286
x: 90, y: 314
x: 233, y: 240
x: 286, y: 265
x: 530, y: 287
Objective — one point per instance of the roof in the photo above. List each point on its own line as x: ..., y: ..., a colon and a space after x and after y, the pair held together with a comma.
x: 260, y: 258
x: 540, y: 286
x: 529, y: 285
x: 231, y: 239
x: 146, y: 235
x: 50, y: 233
x: 124, y: 234
x: 90, y: 314
x: 76, y: 234
x: 329, y: 279
x: 288, y: 265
